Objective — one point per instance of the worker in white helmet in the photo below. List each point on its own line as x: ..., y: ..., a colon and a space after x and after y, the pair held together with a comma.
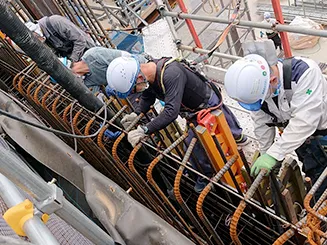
x: 179, y: 87
x: 273, y: 35
x: 290, y: 94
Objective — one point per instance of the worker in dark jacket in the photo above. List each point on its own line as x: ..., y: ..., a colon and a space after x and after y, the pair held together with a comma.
x: 65, y: 38
x: 180, y: 89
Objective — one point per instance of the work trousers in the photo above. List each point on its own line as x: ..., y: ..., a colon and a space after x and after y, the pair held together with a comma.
x: 314, y: 161
x: 203, y: 164
x: 276, y: 39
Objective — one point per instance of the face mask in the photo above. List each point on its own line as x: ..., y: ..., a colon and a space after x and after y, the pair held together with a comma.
x: 277, y: 89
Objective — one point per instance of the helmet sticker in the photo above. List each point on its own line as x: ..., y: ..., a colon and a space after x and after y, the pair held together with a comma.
x: 264, y: 73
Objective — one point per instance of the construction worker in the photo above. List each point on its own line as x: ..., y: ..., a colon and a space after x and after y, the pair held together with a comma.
x: 274, y: 36
x: 60, y: 34
x: 289, y: 94
x: 181, y: 89
x: 94, y: 64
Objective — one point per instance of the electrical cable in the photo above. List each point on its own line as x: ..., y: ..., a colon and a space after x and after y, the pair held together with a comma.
x: 55, y: 131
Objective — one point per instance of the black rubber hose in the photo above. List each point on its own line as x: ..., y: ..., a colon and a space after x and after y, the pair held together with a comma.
x: 45, y: 58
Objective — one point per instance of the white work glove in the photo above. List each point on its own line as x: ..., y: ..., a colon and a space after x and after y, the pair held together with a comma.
x: 136, y: 135
x: 128, y: 119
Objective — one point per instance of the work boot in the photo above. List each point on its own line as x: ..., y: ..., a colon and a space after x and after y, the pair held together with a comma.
x: 243, y: 140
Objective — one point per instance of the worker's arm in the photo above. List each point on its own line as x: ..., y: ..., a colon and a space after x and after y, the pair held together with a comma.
x: 264, y: 134
x: 174, y: 81
x: 70, y: 32
x: 147, y: 100
x: 306, y: 110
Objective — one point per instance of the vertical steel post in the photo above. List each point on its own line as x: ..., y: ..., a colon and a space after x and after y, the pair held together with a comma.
x: 283, y: 35
x: 190, y: 24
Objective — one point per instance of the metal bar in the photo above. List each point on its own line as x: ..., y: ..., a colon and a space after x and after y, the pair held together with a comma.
x: 99, y: 24
x: 136, y: 15
x: 208, y: 24
x: 190, y: 24
x: 16, y: 170
x: 245, y: 23
x: 34, y: 228
x: 45, y: 59
x: 283, y: 35
x: 178, y: 194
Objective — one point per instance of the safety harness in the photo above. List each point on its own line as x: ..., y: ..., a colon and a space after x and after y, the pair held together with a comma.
x: 193, y: 69
x: 287, y: 85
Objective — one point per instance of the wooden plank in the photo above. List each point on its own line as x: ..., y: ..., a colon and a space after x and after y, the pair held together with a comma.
x: 287, y: 199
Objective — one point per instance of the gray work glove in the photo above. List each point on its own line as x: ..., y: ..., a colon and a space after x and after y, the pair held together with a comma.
x: 136, y: 135
x: 128, y: 119
x: 265, y: 48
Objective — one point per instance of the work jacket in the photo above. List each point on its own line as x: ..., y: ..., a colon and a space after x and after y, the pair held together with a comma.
x: 304, y: 107
x: 64, y: 37
x: 98, y: 59
x: 179, y: 88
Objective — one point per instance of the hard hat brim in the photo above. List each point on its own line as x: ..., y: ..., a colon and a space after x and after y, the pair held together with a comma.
x: 252, y: 107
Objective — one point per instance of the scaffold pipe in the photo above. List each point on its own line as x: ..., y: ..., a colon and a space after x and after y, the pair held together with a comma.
x: 283, y: 35
x: 245, y: 23
x: 190, y: 25
x: 205, y: 51
x: 34, y: 228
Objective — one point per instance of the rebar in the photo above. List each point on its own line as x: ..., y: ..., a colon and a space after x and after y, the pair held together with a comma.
x: 242, y: 205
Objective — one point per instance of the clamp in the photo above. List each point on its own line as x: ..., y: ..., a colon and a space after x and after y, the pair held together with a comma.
x: 17, y: 215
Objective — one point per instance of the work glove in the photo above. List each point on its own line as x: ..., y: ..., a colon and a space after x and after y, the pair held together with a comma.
x: 263, y: 162
x: 136, y: 135
x: 128, y: 119
x: 112, y: 135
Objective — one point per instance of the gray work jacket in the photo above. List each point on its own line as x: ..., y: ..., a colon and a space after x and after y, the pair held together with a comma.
x: 64, y: 33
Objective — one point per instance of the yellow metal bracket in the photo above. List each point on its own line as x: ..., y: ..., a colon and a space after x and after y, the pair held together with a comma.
x: 16, y: 216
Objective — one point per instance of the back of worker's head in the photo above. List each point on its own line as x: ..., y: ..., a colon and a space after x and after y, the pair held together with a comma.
x: 122, y: 74
x: 35, y: 28
x: 247, y: 81
x: 266, y: 15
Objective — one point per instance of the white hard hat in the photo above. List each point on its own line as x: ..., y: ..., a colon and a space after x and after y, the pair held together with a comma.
x: 266, y: 15
x: 247, y: 81
x: 122, y: 74
x: 34, y: 28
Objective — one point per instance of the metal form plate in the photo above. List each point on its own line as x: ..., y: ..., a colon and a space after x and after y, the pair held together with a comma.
x: 158, y: 40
